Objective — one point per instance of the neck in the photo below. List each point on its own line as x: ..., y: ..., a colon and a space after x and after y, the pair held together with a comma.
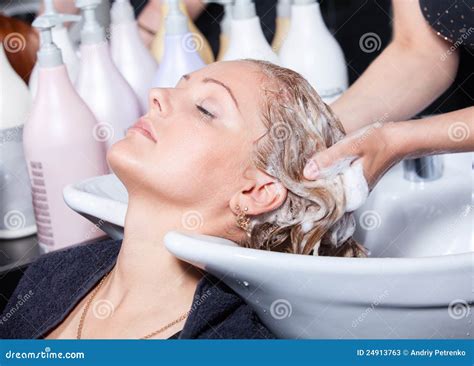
x: 143, y: 258
x: 145, y: 270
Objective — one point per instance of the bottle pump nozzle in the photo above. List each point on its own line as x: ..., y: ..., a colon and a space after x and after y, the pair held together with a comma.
x: 243, y: 9
x: 49, y: 55
x: 122, y: 12
x: 222, y: 2
x: 304, y: 2
x: 228, y: 4
x: 284, y: 8
x: 92, y: 31
x: 176, y: 22
x: 49, y: 7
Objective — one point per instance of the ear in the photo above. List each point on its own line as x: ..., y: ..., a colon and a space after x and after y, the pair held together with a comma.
x: 263, y: 193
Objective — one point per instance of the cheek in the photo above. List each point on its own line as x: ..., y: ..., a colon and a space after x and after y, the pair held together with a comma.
x: 198, y: 168
x: 197, y: 162
x: 186, y: 167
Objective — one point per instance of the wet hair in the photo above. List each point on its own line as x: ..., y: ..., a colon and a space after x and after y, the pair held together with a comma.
x: 312, y: 219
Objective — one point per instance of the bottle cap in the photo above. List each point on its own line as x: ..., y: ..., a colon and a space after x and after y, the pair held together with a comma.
x: 176, y: 21
x: 228, y: 4
x: 122, y: 12
x: 49, y: 55
x: 92, y: 32
x: 284, y: 8
x: 49, y: 9
x: 243, y: 9
x: 304, y: 2
x: 222, y: 2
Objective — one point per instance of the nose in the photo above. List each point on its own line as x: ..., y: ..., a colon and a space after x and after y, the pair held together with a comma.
x: 159, y: 101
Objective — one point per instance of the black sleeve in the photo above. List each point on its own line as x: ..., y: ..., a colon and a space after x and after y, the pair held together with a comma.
x: 451, y: 19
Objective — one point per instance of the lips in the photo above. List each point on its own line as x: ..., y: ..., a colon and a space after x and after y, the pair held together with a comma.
x: 145, y: 128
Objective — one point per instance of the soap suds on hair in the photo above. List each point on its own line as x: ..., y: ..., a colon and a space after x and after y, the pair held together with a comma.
x: 312, y: 218
x: 356, y: 189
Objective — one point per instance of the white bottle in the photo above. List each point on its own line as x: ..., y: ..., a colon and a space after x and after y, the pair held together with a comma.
x: 129, y: 52
x: 311, y: 50
x: 179, y: 55
x: 224, y: 26
x: 59, y: 144
x: 16, y: 210
x: 100, y: 83
x: 246, y: 35
x: 282, y: 23
x: 62, y: 40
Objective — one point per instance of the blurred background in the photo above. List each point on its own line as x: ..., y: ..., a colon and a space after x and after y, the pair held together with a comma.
x: 348, y: 20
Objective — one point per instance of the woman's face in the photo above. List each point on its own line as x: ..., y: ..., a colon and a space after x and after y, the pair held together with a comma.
x: 200, y: 142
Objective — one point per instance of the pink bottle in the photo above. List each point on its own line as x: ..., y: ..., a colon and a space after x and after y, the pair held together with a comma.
x: 60, y: 146
x: 101, y: 85
x: 180, y: 55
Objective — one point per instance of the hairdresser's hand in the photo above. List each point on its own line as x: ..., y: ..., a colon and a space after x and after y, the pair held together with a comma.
x: 380, y: 146
x: 369, y: 145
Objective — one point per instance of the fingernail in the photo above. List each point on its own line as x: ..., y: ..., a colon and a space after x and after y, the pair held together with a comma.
x: 311, y: 170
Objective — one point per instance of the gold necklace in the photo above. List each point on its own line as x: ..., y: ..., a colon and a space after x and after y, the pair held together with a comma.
x: 91, y: 298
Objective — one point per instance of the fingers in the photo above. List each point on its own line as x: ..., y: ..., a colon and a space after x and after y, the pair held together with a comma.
x: 338, y: 155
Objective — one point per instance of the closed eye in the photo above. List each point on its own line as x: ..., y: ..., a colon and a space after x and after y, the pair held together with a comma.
x: 205, y: 112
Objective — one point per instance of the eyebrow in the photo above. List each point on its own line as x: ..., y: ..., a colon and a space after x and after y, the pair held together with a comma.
x: 211, y: 80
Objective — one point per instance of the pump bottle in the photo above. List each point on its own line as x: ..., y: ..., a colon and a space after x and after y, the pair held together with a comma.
x: 60, y: 145
x: 311, y: 50
x: 201, y: 44
x: 100, y: 83
x: 62, y: 40
x: 180, y: 57
x: 224, y: 26
x: 246, y: 35
x: 16, y: 211
x: 282, y: 23
x: 129, y: 53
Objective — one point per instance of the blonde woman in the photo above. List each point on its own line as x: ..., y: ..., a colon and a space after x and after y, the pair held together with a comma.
x: 227, y: 145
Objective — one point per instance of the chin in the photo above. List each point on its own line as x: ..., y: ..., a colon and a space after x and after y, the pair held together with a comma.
x: 122, y: 158
x: 129, y: 160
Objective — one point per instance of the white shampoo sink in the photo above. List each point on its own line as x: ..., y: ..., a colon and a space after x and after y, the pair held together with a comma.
x: 418, y: 283
x: 299, y: 296
x: 419, y: 219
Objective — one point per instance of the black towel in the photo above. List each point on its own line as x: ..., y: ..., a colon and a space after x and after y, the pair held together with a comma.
x: 53, y: 285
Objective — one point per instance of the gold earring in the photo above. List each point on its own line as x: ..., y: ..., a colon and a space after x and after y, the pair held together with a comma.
x: 243, y: 221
